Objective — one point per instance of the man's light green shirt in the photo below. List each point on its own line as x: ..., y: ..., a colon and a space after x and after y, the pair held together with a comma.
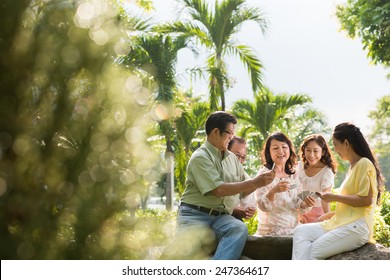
x: 206, y: 171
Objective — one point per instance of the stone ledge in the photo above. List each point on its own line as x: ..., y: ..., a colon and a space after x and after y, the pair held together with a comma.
x: 280, y: 248
x: 366, y: 252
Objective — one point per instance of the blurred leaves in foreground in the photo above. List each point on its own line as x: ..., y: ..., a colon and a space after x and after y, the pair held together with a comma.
x: 74, y: 161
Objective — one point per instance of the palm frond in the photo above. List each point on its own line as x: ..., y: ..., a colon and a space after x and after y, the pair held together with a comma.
x: 186, y: 29
x: 252, y: 63
x: 250, y: 14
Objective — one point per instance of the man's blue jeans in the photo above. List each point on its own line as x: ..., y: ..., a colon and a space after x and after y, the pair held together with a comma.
x: 231, y: 233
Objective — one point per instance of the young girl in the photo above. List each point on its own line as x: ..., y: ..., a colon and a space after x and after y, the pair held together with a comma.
x: 351, y: 225
x: 316, y: 173
x: 278, y: 201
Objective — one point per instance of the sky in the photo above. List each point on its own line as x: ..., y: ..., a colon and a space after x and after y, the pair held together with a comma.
x: 303, y: 51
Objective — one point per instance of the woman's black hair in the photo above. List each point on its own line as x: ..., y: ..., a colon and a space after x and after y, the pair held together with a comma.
x: 327, y: 157
x: 351, y: 133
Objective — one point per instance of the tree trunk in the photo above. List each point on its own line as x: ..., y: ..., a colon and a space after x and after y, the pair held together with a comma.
x: 170, y: 183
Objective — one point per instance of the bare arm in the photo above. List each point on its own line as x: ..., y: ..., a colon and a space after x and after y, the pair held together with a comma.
x: 245, y: 187
x: 351, y: 199
x: 325, y: 205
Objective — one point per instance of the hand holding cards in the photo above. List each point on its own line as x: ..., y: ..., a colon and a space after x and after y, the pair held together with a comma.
x: 305, y: 194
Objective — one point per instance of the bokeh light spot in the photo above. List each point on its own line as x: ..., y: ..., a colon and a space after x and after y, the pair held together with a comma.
x: 99, y: 142
x: 161, y: 112
x: 100, y: 37
x: 21, y: 146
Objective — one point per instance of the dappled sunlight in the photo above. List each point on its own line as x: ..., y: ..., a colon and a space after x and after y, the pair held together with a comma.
x: 197, y: 243
x: 71, y: 56
x: 75, y: 162
x: 161, y: 112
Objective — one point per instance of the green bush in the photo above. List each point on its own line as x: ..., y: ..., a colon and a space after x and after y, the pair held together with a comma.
x: 251, y: 224
x: 382, y: 221
x: 385, y: 207
x: 159, y: 224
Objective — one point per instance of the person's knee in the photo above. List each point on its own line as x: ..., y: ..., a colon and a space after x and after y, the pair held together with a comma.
x: 240, y: 228
x: 298, y: 230
x: 316, y: 253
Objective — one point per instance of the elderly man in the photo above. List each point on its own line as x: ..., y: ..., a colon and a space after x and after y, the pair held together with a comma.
x: 246, y: 206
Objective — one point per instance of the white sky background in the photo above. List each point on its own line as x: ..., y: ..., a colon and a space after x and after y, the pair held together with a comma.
x: 302, y: 52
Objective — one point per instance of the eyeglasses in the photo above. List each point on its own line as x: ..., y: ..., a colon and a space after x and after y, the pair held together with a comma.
x: 240, y: 156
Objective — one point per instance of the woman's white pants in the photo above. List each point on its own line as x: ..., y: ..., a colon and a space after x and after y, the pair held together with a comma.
x: 312, y: 242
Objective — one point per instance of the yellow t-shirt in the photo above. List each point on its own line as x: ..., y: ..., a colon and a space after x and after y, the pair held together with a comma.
x: 358, y: 181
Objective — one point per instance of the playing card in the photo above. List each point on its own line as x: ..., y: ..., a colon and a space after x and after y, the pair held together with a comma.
x: 303, y: 194
x: 313, y: 195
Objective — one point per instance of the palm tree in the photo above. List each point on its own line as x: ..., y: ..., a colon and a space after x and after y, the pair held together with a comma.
x: 216, y: 29
x: 189, y: 127
x: 266, y: 113
x: 308, y: 121
x: 156, y: 54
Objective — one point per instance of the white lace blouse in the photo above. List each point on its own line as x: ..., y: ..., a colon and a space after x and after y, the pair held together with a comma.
x: 280, y: 216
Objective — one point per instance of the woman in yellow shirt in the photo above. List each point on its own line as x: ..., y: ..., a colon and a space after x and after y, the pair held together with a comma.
x: 351, y: 224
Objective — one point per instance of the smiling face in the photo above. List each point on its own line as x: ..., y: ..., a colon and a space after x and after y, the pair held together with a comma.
x: 227, y: 135
x: 221, y: 138
x: 313, y: 153
x: 279, y: 151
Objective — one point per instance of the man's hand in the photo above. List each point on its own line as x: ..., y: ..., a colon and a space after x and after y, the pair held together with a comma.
x: 238, y: 212
x: 264, y: 179
x: 242, y: 213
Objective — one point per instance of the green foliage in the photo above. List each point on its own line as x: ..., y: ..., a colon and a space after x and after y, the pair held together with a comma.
x: 251, y: 224
x: 74, y: 158
x: 271, y: 112
x: 75, y: 163
x: 385, y: 207
x: 266, y: 113
x: 381, y: 230
x: 215, y: 27
x: 380, y: 135
x: 159, y: 225
x: 369, y: 20
x: 189, y: 128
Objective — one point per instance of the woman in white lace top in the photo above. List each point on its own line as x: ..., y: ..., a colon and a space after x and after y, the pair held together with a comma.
x: 278, y: 202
